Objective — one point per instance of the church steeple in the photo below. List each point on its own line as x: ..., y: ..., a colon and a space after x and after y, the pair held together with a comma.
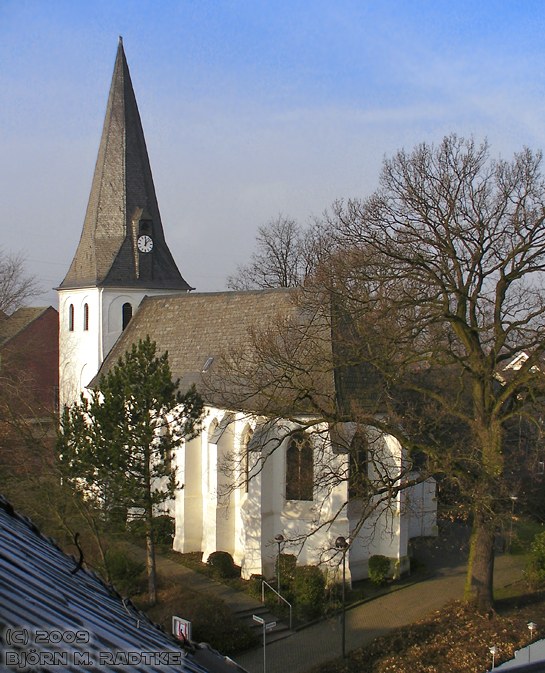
x: 123, y: 206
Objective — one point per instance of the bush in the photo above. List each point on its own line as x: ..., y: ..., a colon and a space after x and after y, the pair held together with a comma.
x: 288, y: 566
x: 535, y: 566
x: 125, y: 573
x: 211, y: 620
x: 309, y: 589
x: 223, y: 564
x: 254, y: 586
x: 379, y: 566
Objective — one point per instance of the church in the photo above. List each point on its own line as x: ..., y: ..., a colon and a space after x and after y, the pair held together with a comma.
x: 123, y: 284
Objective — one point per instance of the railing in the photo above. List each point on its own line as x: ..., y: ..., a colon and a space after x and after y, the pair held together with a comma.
x: 279, y: 596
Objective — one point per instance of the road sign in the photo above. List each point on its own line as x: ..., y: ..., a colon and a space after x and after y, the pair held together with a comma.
x: 270, y: 625
x: 257, y: 619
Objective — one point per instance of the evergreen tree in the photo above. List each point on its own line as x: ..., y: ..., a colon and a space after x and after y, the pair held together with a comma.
x: 116, y: 444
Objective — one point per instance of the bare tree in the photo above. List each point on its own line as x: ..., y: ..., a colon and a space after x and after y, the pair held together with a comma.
x: 432, y: 288
x: 16, y: 286
x: 281, y: 259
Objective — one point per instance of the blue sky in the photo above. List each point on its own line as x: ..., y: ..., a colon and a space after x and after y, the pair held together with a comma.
x: 250, y: 109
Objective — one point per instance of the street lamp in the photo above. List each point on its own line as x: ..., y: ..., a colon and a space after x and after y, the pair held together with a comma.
x: 278, y: 539
x: 514, y: 498
x: 494, y: 652
x: 342, y: 545
x: 532, y: 626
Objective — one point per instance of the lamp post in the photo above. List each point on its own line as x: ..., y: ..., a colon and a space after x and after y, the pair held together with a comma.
x: 532, y: 626
x: 493, y: 651
x: 514, y: 498
x: 342, y: 545
x: 278, y: 539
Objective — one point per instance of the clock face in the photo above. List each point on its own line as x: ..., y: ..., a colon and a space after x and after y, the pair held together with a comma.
x: 145, y: 243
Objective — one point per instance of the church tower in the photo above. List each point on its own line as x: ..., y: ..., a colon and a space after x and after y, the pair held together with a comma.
x: 122, y: 254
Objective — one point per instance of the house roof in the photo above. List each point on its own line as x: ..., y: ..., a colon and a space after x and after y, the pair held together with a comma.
x: 15, y: 323
x: 41, y: 590
x: 199, y: 330
x: 122, y: 197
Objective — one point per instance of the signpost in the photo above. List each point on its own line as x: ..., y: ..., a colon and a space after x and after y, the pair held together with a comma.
x: 181, y: 628
x: 266, y: 627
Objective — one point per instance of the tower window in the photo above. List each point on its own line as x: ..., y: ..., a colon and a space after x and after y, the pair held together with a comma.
x: 71, y: 318
x: 126, y: 314
x: 86, y: 317
x: 299, y: 468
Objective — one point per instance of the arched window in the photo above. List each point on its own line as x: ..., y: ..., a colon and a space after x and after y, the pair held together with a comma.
x: 299, y: 468
x: 358, y: 480
x: 86, y: 317
x: 127, y: 314
x: 71, y: 317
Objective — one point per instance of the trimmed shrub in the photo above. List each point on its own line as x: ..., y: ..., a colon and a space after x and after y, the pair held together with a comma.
x: 288, y: 565
x: 535, y: 566
x: 309, y: 589
x: 379, y: 567
x: 223, y: 564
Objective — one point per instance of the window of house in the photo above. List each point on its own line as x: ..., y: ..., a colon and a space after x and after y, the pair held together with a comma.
x: 71, y: 318
x: 358, y: 479
x: 126, y: 314
x: 86, y: 317
x: 299, y: 468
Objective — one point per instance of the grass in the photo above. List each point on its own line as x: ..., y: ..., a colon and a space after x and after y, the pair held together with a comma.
x: 455, y: 639
x: 524, y: 531
x: 211, y: 620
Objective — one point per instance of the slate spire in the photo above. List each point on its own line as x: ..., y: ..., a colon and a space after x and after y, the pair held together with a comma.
x: 122, y: 205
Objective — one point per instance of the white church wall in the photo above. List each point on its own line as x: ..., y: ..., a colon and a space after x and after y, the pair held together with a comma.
x: 385, y: 531
x: 79, y: 353
x: 421, y: 508
x: 225, y: 512
x: 243, y: 432
x: 246, y: 522
x: 251, y: 522
x: 82, y: 351
x: 188, y: 509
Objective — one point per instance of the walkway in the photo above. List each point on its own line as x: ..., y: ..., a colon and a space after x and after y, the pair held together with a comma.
x: 322, y: 642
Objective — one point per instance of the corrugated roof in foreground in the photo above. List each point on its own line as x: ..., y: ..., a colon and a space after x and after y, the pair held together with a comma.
x: 55, y: 619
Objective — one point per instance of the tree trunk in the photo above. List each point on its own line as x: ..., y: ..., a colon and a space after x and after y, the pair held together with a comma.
x: 150, y: 549
x: 479, y: 587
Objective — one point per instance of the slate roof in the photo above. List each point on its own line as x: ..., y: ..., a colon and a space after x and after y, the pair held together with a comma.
x: 11, y: 325
x: 122, y: 194
x: 39, y: 592
x: 196, y: 327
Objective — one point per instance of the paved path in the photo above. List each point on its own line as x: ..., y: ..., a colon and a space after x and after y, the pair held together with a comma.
x: 322, y: 642
x: 237, y: 601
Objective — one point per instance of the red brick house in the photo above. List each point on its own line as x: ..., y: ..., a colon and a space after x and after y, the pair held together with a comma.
x: 29, y: 359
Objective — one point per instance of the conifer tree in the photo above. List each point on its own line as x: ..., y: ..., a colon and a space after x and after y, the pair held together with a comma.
x: 116, y: 444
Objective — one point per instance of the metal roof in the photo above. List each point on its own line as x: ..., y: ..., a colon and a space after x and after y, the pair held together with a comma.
x: 55, y: 616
